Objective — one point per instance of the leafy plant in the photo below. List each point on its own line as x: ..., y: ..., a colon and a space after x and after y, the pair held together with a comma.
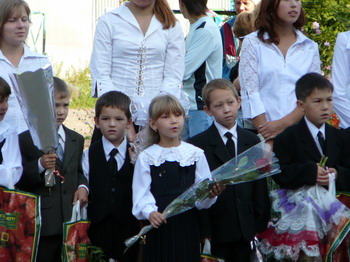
x: 325, y: 19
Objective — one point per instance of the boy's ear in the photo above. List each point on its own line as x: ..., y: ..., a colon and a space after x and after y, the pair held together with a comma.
x: 207, y: 110
x: 97, y: 123
x: 129, y: 123
x: 300, y: 105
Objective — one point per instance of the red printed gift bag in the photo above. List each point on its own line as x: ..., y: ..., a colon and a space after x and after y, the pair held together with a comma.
x: 75, y: 235
x: 19, y: 225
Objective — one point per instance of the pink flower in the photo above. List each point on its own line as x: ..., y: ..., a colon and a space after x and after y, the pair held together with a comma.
x: 315, y: 25
x: 327, y: 44
x: 318, y: 31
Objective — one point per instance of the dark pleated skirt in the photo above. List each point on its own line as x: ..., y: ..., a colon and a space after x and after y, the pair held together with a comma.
x: 176, y: 241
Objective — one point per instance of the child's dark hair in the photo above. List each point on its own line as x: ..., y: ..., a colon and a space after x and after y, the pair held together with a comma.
x: 309, y: 82
x: 163, y: 104
x: 113, y: 99
x: 5, y: 89
x: 195, y: 7
x: 61, y: 88
x: 219, y: 83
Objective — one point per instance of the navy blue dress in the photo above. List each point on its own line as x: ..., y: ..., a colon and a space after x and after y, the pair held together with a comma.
x: 178, y: 240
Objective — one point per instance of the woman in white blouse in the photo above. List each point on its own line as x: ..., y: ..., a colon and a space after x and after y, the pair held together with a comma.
x: 138, y: 50
x: 272, y: 59
x: 341, y: 78
x: 14, y: 53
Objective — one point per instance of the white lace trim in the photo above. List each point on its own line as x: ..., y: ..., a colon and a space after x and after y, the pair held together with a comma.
x: 186, y: 154
x: 283, y: 251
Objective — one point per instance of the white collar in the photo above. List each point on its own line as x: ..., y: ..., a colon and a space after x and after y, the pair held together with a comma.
x: 300, y: 36
x: 223, y: 130
x: 314, y: 130
x: 108, y: 146
x: 61, y: 133
x: 186, y: 154
x: 124, y: 12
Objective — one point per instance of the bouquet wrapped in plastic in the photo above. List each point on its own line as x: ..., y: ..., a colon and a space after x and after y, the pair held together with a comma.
x: 255, y: 163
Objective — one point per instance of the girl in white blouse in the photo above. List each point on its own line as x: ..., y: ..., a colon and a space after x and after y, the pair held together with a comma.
x: 272, y: 59
x: 163, y: 171
x: 14, y: 53
x: 10, y: 157
x: 138, y: 50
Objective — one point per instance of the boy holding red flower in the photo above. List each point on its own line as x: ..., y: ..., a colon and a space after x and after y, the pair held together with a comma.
x: 242, y: 210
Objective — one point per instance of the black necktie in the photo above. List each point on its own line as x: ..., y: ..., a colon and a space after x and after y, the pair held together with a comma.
x: 112, y: 162
x: 230, y: 145
x: 322, y: 142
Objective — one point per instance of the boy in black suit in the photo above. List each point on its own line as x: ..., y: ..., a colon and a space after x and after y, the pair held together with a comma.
x: 107, y: 165
x: 243, y: 210
x: 300, y: 148
x: 56, y: 201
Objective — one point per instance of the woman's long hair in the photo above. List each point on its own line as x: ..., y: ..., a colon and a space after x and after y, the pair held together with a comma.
x: 268, y: 16
x: 164, y: 14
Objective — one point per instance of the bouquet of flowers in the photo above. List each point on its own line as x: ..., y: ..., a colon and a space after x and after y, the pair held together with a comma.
x: 255, y: 163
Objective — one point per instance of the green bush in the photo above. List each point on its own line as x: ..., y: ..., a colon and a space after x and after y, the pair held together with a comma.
x: 325, y: 19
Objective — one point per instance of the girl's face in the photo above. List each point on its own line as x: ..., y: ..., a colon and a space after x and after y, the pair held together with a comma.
x: 169, y: 127
x: 15, y: 29
x: 288, y: 11
x: 3, y: 107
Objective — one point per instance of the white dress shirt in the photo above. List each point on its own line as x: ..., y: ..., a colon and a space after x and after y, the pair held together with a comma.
x: 11, y: 166
x: 268, y: 78
x: 314, y: 132
x: 107, y: 148
x: 141, y: 66
x: 186, y: 154
x: 30, y: 61
x: 341, y: 78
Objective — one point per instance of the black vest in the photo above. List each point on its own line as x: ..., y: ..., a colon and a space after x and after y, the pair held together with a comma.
x: 1, y: 145
x: 109, y: 194
x: 169, y: 180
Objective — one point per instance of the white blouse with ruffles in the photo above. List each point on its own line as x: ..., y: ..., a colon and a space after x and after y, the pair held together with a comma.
x: 185, y: 154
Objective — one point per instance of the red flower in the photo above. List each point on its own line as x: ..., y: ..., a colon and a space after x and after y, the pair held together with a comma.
x: 263, y: 164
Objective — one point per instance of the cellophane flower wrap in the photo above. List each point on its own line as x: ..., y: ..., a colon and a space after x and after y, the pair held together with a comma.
x: 313, y: 225
x: 253, y: 164
x: 19, y: 225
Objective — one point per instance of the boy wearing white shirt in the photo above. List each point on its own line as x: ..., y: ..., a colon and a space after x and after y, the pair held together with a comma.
x: 70, y: 186
x: 10, y: 157
x: 107, y: 166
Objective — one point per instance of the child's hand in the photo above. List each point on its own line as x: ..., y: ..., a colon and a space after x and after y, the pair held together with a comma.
x: 82, y: 195
x: 322, y: 176
x: 333, y: 170
x: 48, y: 161
x: 156, y: 219
x: 216, y: 190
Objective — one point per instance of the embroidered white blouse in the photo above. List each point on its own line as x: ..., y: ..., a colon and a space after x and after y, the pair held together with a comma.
x: 186, y: 154
x: 341, y: 78
x: 11, y: 166
x: 30, y: 61
x: 268, y: 78
x: 141, y: 66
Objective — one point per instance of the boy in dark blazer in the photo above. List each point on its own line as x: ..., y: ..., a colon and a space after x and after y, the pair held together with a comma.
x: 300, y: 148
x: 107, y: 165
x: 56, y: 201
x: 243, y: 210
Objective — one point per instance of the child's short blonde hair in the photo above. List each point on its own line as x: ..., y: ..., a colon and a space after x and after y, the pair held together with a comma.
x: 164, y: 104
x: 61, y: 89
x: 215, y: 84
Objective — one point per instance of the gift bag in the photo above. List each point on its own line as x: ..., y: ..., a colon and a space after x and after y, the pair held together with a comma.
x: 19, y: 225
x: 206, y: 254
x: 75, y: 236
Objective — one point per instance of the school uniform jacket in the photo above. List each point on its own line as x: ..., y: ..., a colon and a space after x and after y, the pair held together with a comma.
x: 298, y: 156
x: 56, y: 206
x: 241, y: 211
